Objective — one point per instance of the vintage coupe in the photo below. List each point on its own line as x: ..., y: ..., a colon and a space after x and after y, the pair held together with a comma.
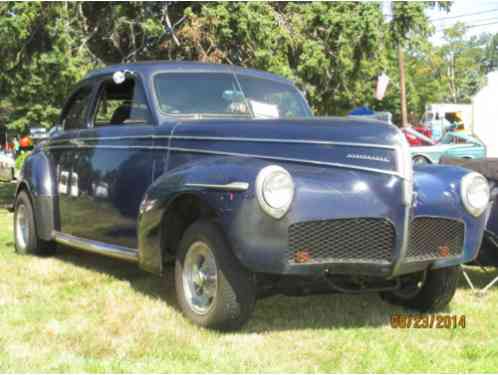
x: 225, y: 172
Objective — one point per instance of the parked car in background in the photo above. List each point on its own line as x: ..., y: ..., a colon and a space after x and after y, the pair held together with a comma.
x: 7, y: 166
x: 37, y: 134
x: 414, y: 139
x: 225, y: 173
x: 452, y: 145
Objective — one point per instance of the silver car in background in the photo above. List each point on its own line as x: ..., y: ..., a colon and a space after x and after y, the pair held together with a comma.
x: 7, y: 167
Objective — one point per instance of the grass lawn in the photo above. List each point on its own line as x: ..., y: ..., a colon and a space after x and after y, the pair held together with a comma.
x: 76, y: 312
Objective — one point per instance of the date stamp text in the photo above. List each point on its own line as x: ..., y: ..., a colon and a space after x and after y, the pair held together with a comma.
x: 428, y: 321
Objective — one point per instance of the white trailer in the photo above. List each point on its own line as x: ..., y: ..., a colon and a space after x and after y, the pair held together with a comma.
x: 485, y: 115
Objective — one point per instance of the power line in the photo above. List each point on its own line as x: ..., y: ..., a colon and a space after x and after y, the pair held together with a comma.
x: 471, y: 26
x: 483, y: 24
x: 464, y: 15
x: 468, y: 24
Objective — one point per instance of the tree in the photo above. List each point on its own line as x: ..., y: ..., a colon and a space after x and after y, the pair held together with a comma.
x: 490, y: 58
x: 44, y: 58
x: 333, y: 51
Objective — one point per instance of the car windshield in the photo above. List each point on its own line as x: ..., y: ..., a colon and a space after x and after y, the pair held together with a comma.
x: 227, y: 95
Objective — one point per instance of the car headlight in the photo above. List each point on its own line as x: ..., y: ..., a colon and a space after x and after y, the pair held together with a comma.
x: 275, y: 190
x: 475, y: 193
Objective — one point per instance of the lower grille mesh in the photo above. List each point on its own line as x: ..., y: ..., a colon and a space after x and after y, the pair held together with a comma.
x: 433, y: 238
x: 341, y: 240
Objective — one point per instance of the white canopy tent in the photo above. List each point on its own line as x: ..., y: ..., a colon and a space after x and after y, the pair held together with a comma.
x: 485, y: 115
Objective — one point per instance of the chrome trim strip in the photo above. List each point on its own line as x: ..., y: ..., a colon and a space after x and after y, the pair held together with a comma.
x: 228, y: 139
x: 293, y: 160
x: 101, y: 248
x: 277, y: 140
x: 405, y: 168
x: 232, y: 186
x: 209, y: 152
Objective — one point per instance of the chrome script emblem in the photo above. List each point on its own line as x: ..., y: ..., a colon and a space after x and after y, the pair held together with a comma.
x: 368, y: 157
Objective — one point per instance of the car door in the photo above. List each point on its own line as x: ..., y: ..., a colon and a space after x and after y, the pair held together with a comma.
x: 461, y: 148
x: 114, y: 164
x: 62, y: 150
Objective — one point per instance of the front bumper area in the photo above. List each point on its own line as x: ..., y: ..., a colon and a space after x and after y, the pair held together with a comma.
x: 353, y: 225
x: 366, y: 246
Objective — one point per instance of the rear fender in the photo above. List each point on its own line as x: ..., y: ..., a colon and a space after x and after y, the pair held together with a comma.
x: 38, y: 179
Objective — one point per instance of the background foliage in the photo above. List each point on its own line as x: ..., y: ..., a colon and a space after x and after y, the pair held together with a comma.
x: 333, y: 51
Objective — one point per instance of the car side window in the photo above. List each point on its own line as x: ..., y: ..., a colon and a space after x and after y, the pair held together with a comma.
x: 121, y: 104
x: 74, y: 113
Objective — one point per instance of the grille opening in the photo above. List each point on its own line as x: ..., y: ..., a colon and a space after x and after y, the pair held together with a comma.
x: 368, y: 240
x: 434, y: 238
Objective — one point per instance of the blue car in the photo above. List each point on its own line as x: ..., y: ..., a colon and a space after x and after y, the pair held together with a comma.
x: 223, y: 174
x: 458, y: 145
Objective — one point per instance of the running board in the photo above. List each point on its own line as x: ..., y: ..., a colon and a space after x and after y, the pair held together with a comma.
x: 101, y: 248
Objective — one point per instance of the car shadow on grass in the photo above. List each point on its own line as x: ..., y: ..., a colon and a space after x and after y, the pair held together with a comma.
x: 479, y: 276
x: 277, y: 313
x: 144, y: 282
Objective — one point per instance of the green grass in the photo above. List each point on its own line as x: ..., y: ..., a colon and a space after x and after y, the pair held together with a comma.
x: 76, y: 312
x: 7, y: 191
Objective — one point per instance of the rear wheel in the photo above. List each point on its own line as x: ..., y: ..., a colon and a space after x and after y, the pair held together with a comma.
x: 432, y: 293
x: 26, y: 238
x: 213, y: 289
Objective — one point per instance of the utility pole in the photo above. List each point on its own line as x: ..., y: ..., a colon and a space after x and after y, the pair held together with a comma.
x: 402, y: 86
x: 389, y: 16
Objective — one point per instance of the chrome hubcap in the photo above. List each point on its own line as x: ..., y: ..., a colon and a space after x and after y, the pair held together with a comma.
x: 200, y: 278
x: 420, y: 160
x: 22, y: 232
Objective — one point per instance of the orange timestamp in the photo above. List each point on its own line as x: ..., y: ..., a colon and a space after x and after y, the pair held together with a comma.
x: 428, y: 321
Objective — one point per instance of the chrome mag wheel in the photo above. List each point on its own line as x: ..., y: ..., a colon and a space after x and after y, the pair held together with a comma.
x: 200, y: 278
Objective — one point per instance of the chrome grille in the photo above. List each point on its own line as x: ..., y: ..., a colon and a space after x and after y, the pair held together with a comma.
x: 434, y: 238
x: 366, y: 240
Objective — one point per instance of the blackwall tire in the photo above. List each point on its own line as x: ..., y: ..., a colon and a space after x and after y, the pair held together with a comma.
x: 223, y: 296
x: 434, y: 295
x: 25, y: 235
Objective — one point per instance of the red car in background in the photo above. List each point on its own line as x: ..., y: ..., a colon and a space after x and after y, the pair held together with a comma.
x: 416, y: 141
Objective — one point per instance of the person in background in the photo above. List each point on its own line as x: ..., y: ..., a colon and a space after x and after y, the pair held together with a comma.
x: 25, y: 143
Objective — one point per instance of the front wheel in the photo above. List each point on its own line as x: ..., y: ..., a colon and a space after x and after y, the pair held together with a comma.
x: 432, y: 293
x: 213, y: 289
x: 419, y: 159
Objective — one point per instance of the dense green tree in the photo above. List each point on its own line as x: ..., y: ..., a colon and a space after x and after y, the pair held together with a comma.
x: 41, y: 60
x: 333, y: 51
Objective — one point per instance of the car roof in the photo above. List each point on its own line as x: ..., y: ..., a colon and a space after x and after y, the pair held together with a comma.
x: 151, y: 67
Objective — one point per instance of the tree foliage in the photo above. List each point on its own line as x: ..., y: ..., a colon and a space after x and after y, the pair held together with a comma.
x: 333, y: 51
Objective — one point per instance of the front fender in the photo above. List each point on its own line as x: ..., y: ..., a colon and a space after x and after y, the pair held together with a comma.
x: 191, y: 179
x: 437, y: 194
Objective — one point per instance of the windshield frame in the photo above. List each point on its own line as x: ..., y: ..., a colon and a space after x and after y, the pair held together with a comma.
x: 302, y: 100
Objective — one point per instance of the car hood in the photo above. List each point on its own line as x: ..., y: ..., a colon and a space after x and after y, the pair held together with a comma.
x: 336, y: 142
